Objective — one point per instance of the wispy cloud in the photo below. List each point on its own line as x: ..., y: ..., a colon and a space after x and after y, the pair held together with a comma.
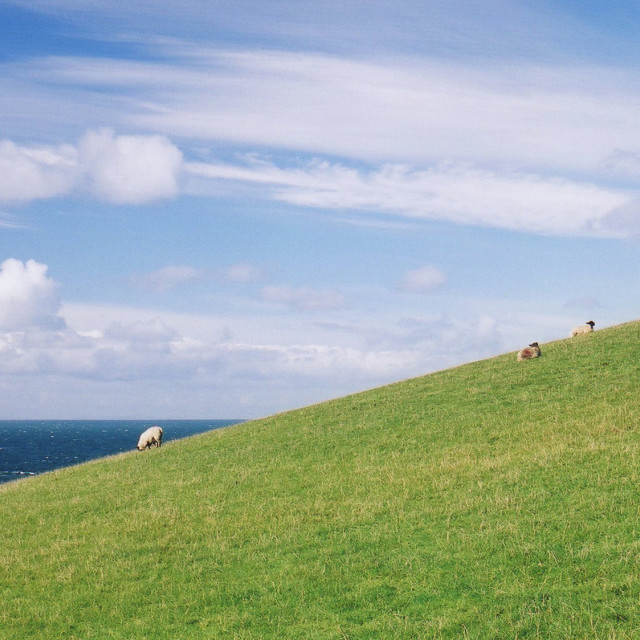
x: 496, y: 145
x: 453, y: 192
x: 417, y: 109
x: 8, y: 221
x: 411, y: 110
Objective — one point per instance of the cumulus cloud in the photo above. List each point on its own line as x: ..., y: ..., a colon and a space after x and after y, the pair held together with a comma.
x: 129, y: 169
x: 423, y: 280
x: 121, y: 169
x: 28, y: 297
x: 303, y: 298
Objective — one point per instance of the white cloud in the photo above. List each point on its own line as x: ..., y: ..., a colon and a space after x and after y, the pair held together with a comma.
x: 439, y: 26
x: 303, y: 298
x: 453, y: 192
x: 121, y: 169
x: 129, y: 169
x: 28, y: 298
x: 402, y: 110
x: 423, y: 280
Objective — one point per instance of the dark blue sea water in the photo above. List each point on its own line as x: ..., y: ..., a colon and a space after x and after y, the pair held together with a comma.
x: 29, y: 447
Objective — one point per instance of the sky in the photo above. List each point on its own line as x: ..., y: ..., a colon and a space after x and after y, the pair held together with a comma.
x: 214, y: 209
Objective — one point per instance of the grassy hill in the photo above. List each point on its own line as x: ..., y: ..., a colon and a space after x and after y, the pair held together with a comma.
x: 494, y: 500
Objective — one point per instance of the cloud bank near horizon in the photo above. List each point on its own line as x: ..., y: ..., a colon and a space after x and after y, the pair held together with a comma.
x: 36, y: 340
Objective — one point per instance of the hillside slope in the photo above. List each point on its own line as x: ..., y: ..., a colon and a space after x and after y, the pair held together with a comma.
x: 494, y: 500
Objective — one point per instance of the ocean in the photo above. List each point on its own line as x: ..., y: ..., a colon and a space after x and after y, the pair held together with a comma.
x: 30, y: 447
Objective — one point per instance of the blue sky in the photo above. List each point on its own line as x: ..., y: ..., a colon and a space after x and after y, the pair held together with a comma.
x: 214, y: 209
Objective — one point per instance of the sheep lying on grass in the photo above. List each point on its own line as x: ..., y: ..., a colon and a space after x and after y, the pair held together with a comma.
x: 583, y: 328
x: 532, y: 351
x: 152, y: 436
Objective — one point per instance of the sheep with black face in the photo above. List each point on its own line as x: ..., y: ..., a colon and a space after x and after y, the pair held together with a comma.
x: 583, y: 328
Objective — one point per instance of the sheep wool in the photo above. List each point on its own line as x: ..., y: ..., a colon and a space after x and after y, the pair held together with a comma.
x: 532, y: 351
x: 583, y: 328
x: 151, y: 437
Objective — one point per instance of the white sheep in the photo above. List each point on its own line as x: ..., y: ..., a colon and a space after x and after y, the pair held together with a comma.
x: 532, y: 351
x: 583, y: 328
x: 152, y: 436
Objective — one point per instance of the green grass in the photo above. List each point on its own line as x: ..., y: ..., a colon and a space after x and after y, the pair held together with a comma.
x: 494, y: 500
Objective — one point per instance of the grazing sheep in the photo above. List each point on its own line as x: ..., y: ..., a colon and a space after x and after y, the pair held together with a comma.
x: 583, y: 328
x: 152, y: 436
x: 532, y: 351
